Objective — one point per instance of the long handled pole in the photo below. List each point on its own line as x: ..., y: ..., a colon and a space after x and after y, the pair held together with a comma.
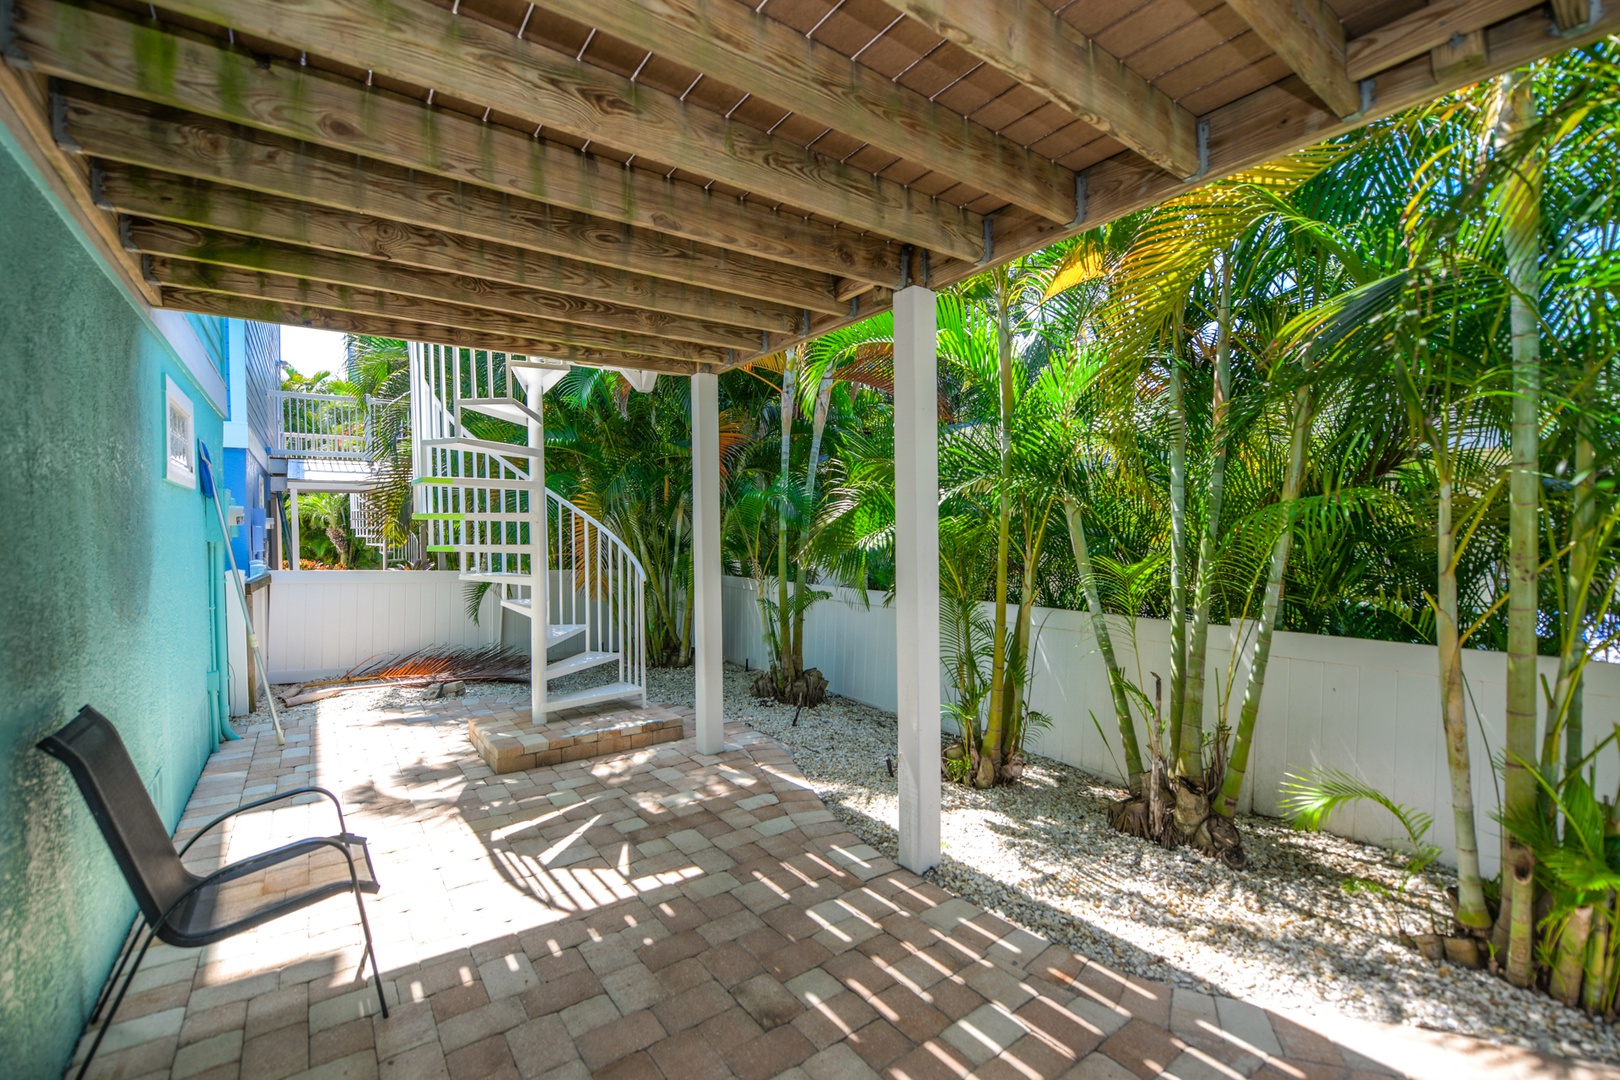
x: 247, y: 617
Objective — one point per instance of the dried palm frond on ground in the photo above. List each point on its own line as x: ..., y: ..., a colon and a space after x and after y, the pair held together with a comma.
x: 434, y: 664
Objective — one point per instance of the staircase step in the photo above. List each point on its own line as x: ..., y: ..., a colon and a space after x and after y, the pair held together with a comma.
x: 610, y: 692
x: 502, y: 408
x: 579, y: 662
x: 494, y: 577
x: 481, y: 446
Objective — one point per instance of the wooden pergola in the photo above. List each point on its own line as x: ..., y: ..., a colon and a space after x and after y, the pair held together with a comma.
x: 683, y: 186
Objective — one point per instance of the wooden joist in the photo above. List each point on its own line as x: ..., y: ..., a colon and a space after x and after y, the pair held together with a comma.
x: 1423, y: 30
x: 196, y: 204
x: 1311, y: 41
x: 137, y: 133
x: 183, y: 243
x: 423, y: 45
x: 107, y: 49
x: 295, y: 293
x: 1280, y: 119
x: 345, y: 322
x: 776, y: 63
x: 391, y: 305
x: 1024, y: 39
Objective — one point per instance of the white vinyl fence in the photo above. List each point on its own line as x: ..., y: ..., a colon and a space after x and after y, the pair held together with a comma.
x: 1369, y: 708
x: 324, y: 622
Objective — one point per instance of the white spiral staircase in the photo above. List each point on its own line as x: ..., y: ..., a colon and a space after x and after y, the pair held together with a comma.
x: 581, y: 588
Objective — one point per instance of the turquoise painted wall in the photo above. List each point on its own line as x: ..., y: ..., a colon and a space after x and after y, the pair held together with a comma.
x: 104, y: 600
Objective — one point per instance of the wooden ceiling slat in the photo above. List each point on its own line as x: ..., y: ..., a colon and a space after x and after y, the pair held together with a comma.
x: 1279, y: 120
x: 236, y: 211
x: 255, y: 309
x: 1310, y: 38
x: 1024, y: 39
x: 391, y: 305
x: 481, y: 63
x: 1423, y: 30
x: 105, y: 50
x: 773, y: 62
x: 150, y: 136
x: 190, y: 244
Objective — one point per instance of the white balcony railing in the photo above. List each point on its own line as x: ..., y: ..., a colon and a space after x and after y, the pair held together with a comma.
x: 319, y: 426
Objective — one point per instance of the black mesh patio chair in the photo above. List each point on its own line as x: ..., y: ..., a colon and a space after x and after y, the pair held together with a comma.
x: 178, y: 907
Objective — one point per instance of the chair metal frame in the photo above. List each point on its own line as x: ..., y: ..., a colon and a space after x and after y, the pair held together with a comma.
x: 160, y: 928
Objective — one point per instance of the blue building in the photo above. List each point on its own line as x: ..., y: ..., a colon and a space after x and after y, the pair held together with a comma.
x: 114, y: 589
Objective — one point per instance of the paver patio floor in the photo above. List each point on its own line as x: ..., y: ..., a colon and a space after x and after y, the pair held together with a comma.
x: 656, y: 913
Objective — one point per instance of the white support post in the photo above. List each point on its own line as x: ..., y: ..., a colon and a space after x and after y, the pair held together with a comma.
x: 706, y: 636
x: 916, y: 573
x: 292, y: 529
x: 539, y: 558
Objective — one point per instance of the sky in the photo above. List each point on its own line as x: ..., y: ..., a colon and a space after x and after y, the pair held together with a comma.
x: 309, y: 351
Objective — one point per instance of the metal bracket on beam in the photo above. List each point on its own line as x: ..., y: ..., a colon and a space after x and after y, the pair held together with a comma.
x: 98, y: 176
x: 989, y: 240
x: 1079, y: 199
x: 764, y: 342
x: 8, y: 37
x: 806, y: 313
x: 125, y: 240
x: 59, y: 130
x: 923, y: 269
x: 146, y: 272
x: 1203, y: 148
x: 905, y: 266
x: 1367, y: 86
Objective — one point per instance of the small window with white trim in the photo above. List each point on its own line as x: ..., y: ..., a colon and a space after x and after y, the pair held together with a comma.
x: 181, y: 447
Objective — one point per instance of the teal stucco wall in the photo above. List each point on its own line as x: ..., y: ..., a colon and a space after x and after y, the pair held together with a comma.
x: 105, y: 594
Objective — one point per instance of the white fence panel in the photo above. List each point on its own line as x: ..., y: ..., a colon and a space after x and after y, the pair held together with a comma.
x: 1368, y: 708
x: 325, y: 622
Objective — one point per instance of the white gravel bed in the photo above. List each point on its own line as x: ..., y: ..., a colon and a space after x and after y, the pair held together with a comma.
x: 1282, y: 933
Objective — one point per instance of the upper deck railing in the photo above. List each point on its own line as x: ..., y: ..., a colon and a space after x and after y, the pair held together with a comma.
x: 319, y: 426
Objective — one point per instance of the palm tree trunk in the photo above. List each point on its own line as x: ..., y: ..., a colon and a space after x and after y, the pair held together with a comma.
x: 990, y: 752
x: 1521, y: 231
x: 1566, y: 701
x: 1595, y: 989
x: 818, y: 424
x: 1178, y: 555
x: 1232, y: 785
x: 1471, y: 910
x: 1569, y: 966
x: 1105, y: 646
x: 1190, y: 758
x: 785, y: 672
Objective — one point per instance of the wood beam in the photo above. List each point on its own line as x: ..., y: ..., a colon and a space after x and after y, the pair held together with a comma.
x: 105, y: 49
x: 23, y: 111
x: 428, y: 46
x: 1423, y: 30
x: 1310, y: 39
x: 198, y: 204
x: 1262, y: 127
x: 1025, y: 40
x: 137, y: 133
x: 391, y: 305
x: 776, y: 63
x: 1278, y: 120
x: 348, y: 322
x: 188, y: 244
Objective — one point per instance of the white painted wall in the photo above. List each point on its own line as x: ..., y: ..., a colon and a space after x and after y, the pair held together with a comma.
x: 236, y: 637
x: 324, y: 622
x: 1370, y: 708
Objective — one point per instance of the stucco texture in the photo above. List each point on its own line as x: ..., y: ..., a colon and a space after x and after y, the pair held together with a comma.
x: 104, y: 600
